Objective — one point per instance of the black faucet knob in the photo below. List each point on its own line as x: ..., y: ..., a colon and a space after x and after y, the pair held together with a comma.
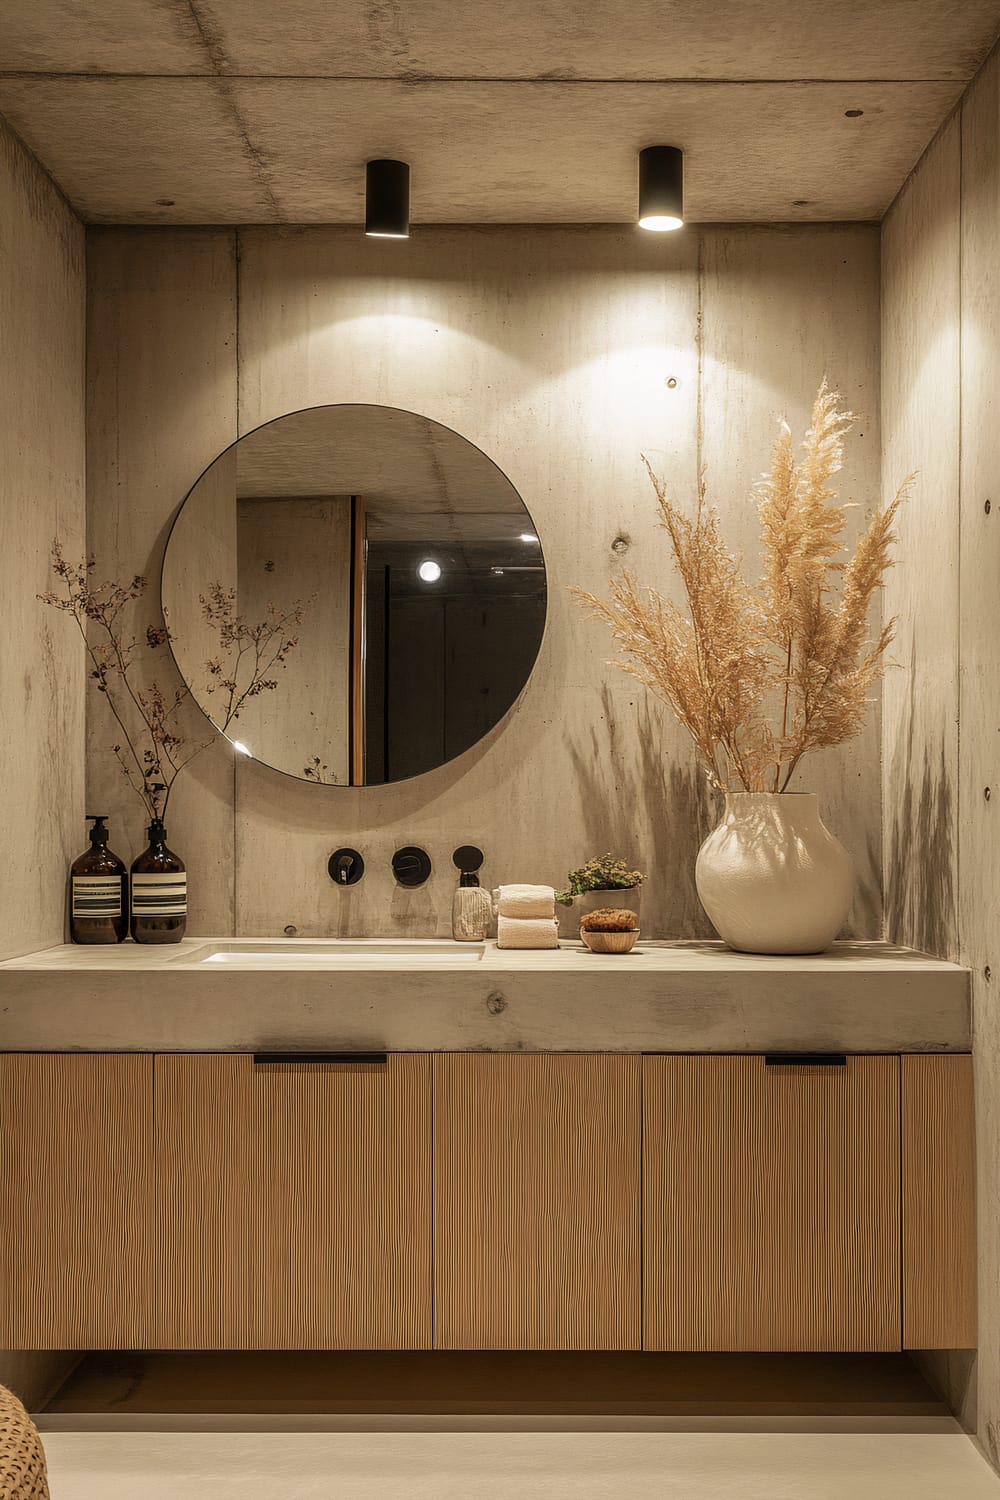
x: 411, y: 866
x: 346, y: 866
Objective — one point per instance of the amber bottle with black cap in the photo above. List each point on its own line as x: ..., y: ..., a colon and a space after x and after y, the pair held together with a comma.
x: 159, y: 891
x: 98, y: 910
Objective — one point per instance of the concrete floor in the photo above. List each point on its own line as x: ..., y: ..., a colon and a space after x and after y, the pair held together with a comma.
x: 605, y: 1465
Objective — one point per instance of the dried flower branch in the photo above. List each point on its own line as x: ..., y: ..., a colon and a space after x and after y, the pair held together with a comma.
x: 317, y: 770
x: 761, y: 676
x: 152, y: 751
x: 249, y: 654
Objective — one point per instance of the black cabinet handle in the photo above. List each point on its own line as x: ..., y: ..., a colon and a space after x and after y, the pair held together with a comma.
x: 805, y: 1060
x: 289, y: 1058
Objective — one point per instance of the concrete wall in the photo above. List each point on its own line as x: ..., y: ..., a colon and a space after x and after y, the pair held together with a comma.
x: 41, y: 497
x: 42, y: 677
x: 564, y: 354
x: 941, y: 338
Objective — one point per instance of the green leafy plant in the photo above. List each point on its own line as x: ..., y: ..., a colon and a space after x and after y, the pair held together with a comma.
x: 603, y: 874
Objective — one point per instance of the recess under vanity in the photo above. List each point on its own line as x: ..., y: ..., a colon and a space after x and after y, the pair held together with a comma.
x: 683, y: 1149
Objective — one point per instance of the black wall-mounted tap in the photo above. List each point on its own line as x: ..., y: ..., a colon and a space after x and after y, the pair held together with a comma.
x: 346, y: 866
x: 411, y: 865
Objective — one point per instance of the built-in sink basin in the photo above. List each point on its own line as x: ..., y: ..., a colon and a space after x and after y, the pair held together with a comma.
x: 337, y: 953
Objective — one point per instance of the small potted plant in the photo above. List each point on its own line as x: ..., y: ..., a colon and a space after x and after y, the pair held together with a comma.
x: 611, y: 929
x: 603, y: 882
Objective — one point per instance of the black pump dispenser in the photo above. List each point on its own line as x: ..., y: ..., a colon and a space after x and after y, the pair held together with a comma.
x: 98, y: 911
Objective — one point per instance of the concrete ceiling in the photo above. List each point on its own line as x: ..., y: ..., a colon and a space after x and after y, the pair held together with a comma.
x: 264, y: 111
x: 395, y: 459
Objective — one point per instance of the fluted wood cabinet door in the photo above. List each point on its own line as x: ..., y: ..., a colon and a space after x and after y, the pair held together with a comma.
x: 939, y: 1202
x: 294, y: 1203
x: 537, y: 1217
x: 76, y: 1143
x: 771, y: 1204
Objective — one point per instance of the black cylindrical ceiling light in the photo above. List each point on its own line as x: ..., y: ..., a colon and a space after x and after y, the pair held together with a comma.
x: 661, y: 187
x: 387, y: 199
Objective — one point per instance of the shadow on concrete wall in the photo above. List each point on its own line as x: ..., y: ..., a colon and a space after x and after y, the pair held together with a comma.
x: 920, y: 852
x: 631, y: 790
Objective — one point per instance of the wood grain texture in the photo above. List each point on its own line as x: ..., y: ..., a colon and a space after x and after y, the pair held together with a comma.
x: 938, y: 1203
x: 771, y: 1204
x: 537, y: 1221
x: 76, y: 1140
x: 294, y: 1208
x: 42, y: 473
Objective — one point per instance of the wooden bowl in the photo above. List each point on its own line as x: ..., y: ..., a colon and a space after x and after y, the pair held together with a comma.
x: 609, y: 942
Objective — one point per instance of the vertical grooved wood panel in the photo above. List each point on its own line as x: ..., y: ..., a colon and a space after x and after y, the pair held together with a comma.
x: 294, y: 1208
x: 76, y: 1142
x: 537, y: 1219
x: 939, y: 1203
x: 771, y: 1209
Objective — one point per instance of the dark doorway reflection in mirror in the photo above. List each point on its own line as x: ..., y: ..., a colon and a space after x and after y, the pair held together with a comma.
x: 399, y: 561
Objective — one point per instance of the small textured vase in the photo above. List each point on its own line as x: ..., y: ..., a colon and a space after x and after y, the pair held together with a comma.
x: 772, y: 878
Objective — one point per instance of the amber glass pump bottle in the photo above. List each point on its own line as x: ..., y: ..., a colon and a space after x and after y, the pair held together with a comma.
x: 97, y: 890
x: 159, y: 891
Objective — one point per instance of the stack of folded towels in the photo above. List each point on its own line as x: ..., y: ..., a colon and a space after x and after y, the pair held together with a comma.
x: 526, y: 916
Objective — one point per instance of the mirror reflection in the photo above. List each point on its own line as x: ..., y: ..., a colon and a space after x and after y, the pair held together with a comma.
x: 373, y: 575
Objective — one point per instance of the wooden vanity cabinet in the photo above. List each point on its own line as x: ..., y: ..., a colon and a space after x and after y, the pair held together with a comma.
x: 76, y: 1147
x: 939, y: 1201
x: 294, y: 1203
x: 772, y: 1204
x: 537, y: 1160
x: 580, y: 1201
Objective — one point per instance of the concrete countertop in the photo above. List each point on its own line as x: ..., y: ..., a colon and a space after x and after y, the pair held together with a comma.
x: 662, y: 997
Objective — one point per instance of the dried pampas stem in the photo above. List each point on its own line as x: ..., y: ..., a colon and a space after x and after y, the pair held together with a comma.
x: 759, y: 676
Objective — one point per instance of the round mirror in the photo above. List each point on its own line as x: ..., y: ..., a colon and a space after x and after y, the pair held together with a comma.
x: 354, y: 594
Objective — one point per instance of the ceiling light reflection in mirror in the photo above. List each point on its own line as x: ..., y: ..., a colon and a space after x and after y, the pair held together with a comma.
x: 392, y: 567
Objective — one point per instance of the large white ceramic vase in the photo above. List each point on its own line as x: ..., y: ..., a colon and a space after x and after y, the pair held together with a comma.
x: 771, y: 877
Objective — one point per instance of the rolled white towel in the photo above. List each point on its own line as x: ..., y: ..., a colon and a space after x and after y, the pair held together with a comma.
x: 527, y: 932
x: 525, y: 900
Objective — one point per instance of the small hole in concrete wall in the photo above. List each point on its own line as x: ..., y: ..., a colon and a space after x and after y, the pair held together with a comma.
x: 802, y: 202
x: 672, y: 382
x: 166, y: 202
x: 853, y: 114
x: 987, y: 507
x: 621, y: 544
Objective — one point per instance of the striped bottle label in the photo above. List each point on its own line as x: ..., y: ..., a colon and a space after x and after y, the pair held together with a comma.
x: 97, y: 895
x: 160, y: 895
